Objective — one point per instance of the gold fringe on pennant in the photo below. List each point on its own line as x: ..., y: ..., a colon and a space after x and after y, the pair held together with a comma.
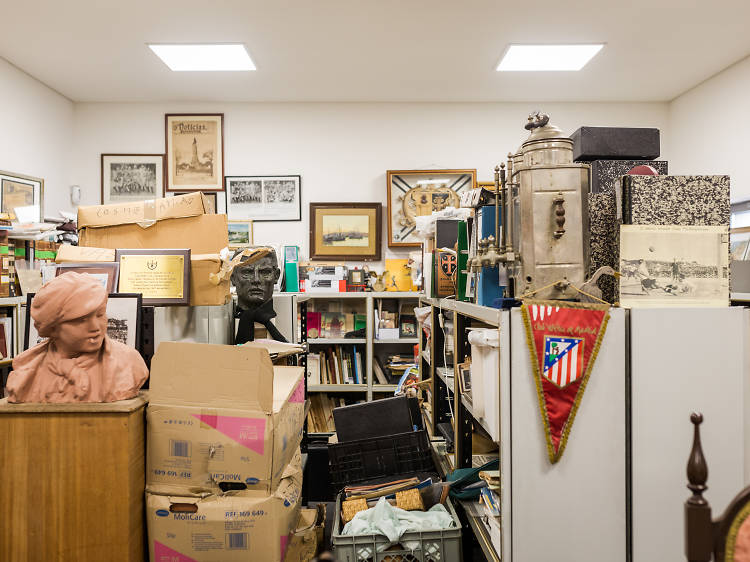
x: 555, y: 456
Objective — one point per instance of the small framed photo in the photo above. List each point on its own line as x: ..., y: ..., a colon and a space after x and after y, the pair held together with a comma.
x: 407, y: 326
x: 123, y: 320
x: 132, y: 177
x: 17, y: 190
x: 195, y: 151
x: 107, y: 273
x: 739, y: 240
x: 263, y: 198
x: 213, y: 197
x: 240, y: 234
x: 464, y: 377
x: 345, y: 231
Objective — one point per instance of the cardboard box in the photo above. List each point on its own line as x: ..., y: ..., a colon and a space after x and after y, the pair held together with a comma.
x: 220, y: 413
x: 204, y: 234
x: 308, y: 535
x: 72, y: 481
x: 82, y: 254
x: 173, y: 222
x: 236, y: 526
x: 202, y: 291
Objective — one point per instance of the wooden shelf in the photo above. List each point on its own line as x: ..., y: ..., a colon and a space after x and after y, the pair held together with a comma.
x: 485, y: 314
x: 337, y: 388
x: 384, y: 387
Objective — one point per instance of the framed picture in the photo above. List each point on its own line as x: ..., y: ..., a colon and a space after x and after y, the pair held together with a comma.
x: 123, y: 320
x: 161, y: 276
x: 264, y: 198
x: 17, y: 190
x: 240, y: 234
x: 464, y: 377
x: 413, y: 193
x: 195, y: 151
x: 213, y: 197
x: 7, y: 329
x: 677, y: 266
x: 407, y: 326
x: 132, y: 177
x: 107, y: 273
x: 345, y: 231
x: 739, y: 239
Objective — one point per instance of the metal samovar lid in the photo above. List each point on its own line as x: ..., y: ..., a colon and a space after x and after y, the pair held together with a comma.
x: 538, y: 125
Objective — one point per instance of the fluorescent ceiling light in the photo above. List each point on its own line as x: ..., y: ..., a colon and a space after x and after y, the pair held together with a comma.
x: 547, y: 57
x: 209, y: 57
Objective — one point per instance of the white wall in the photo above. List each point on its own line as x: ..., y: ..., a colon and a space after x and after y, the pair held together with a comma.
x: 36, y: 129
x: 708, y: 129
x: 341, y: 150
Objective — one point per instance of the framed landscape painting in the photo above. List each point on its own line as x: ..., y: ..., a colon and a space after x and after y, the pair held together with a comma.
x: 132, y: 177
x: 195, y: 151
x: 240, y: 234
x: 345, y: 231
x: 17, y: 190
x: 263, y: 198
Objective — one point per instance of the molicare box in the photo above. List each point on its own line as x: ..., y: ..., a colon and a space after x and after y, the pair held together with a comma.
x: 236, y: 526
x: 220, y: 414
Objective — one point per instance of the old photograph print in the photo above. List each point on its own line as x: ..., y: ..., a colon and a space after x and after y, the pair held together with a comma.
x: 263, y: 198
x: 683, y: 266
x: 132, y: 177
x: 195, y: 152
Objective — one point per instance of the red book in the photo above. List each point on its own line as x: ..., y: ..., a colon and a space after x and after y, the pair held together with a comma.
x: 313, y: 324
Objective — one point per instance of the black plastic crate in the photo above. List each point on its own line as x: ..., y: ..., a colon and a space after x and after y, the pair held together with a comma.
x: 378, y: 457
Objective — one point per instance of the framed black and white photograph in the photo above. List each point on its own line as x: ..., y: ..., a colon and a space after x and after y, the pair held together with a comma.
x: 263, y: 198
x: 123, y: 320
x: 17, y: 190
x: 132, y: 177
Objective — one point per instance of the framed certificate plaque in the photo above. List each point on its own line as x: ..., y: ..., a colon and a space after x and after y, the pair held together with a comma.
x: 161, y: 276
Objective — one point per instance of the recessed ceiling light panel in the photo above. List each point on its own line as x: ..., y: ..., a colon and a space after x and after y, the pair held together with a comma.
x: 208, y: 57
x: 547, y: 57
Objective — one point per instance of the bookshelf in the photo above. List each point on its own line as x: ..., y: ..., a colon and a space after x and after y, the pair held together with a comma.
x: 369, y: 389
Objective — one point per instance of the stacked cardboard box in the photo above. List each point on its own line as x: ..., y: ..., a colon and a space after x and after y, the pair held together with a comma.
x: 223, y: 474
x: 184, y: 221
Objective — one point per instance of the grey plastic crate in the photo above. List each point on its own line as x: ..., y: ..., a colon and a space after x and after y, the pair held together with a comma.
x: 435, y: 546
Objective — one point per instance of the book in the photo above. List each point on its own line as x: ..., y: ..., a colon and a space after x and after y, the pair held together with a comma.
x: 378, y: 370
x: 313, y: 369
x: 358, y: 363
x: 313, y: 325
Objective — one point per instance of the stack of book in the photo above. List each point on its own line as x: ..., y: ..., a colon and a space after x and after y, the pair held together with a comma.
x: 320, y: 415
x: 333, y: 324
x: 338, y: 364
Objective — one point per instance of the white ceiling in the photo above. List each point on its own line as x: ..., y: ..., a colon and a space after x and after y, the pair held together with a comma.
x: 374, y: 50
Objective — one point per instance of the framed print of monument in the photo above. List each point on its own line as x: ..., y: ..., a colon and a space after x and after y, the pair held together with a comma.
x: 195, y: 152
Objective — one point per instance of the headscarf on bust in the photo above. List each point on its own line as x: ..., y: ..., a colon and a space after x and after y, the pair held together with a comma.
x: 43, y: 374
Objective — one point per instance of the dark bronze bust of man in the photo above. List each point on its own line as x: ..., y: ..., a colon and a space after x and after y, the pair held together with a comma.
x: 254, y: 283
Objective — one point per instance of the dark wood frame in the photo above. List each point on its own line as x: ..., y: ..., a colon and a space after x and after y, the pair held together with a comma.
x: 185, y: 300
x: 377, y: 207
x: 299, y: 201
x: 163, y: 173
x: 111, y: 268
x: 462, y: 368
x: 404, y: 319
x: 23, y: 177
x: 390, y: 173
x: 166, y: 152
x: 706, y: 539
x: 137, y: 296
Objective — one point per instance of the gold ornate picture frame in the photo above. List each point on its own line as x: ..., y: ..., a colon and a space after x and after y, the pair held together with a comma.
x: 413, y: 193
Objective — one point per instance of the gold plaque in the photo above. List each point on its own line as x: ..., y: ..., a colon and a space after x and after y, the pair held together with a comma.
x: 161, y: 276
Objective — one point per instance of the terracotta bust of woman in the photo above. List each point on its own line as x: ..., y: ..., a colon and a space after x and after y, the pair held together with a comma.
x: 78, y: 363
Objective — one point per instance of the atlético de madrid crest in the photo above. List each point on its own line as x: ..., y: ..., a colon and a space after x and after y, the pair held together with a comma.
x: 563, y: 339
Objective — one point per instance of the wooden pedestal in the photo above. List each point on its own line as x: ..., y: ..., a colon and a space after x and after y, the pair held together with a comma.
x: 72, y: 481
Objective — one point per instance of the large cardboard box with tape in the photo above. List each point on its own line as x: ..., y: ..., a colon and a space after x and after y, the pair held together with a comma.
x: 220, y: 413
x: 184, y: 221
x: 236, y: 526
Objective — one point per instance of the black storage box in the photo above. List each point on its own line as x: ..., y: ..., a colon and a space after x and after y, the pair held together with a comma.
x: 373, y: 419
x: 368, y: 459
x: 615, y: 143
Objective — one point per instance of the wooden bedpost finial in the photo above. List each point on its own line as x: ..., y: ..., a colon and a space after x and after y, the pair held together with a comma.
x: 697, y: 469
